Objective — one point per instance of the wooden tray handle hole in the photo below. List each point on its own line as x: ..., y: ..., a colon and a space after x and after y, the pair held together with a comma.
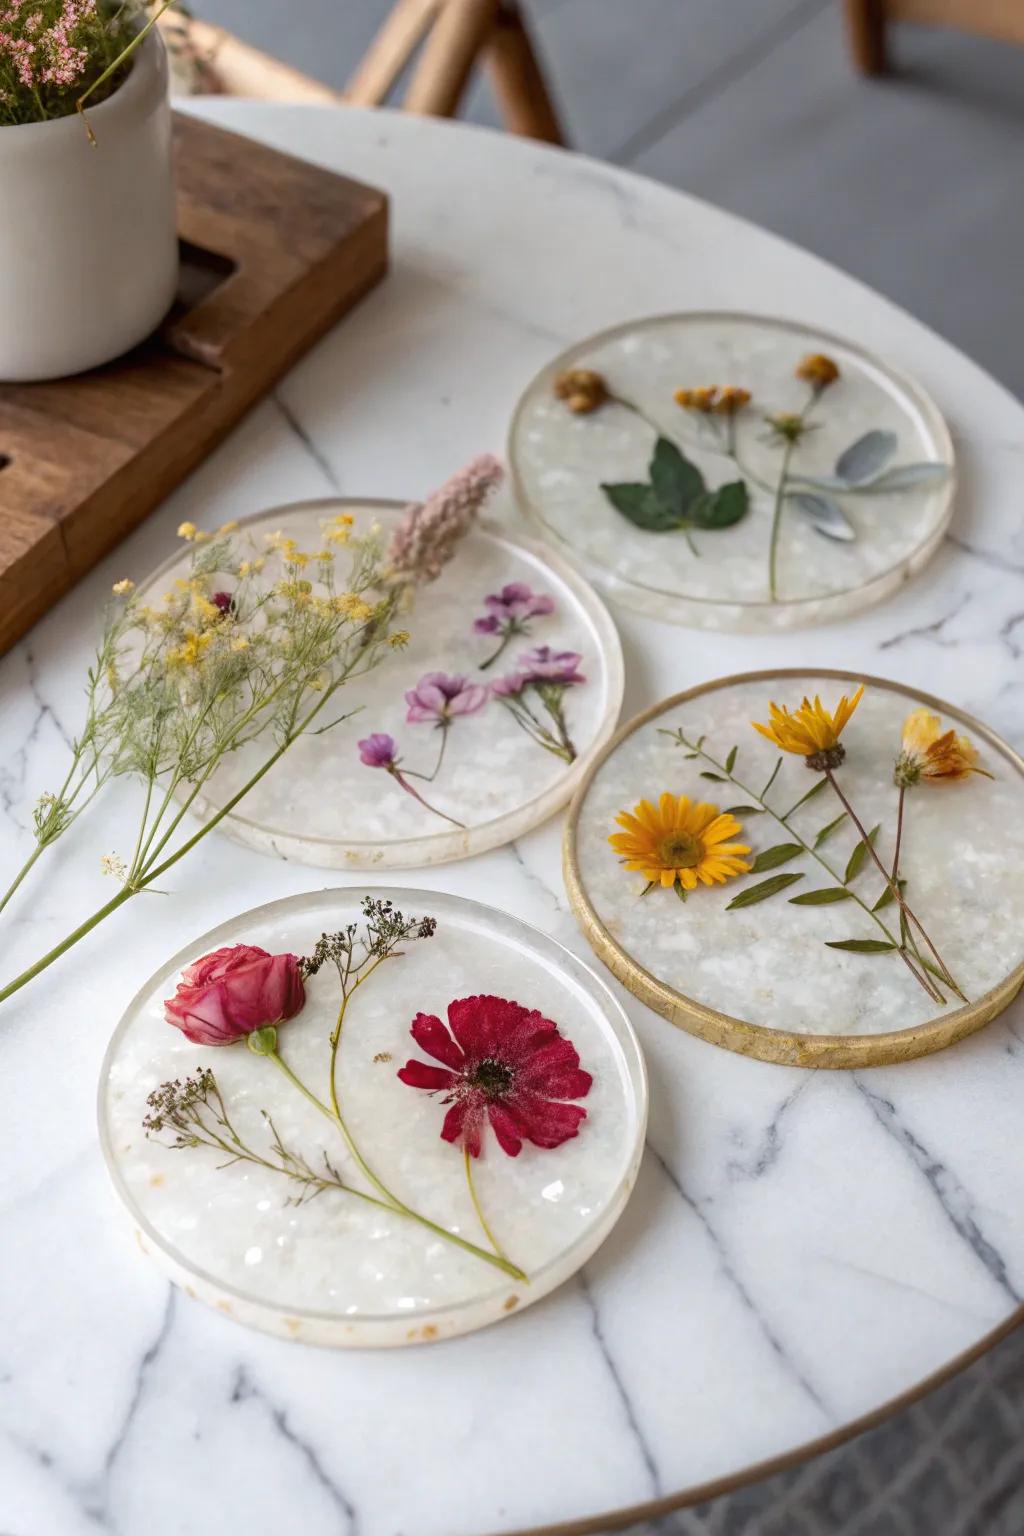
x: 202, y: 272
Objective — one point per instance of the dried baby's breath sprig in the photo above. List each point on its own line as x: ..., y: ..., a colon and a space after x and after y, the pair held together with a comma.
x: 248, y: 646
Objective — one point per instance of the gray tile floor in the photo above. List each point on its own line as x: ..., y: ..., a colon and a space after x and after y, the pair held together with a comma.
x: 912, y: 183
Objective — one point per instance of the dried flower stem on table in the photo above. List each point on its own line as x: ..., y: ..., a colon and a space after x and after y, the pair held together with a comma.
x: 219, y: 666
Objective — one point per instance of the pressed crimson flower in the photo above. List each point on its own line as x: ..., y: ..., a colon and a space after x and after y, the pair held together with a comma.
x: 378, y: 751
x: 223, y: 600
x: 928, y: 754
x: 812, y: 731
x: 503, y: 1063
x: 234, y: 991
x: 439, y: 697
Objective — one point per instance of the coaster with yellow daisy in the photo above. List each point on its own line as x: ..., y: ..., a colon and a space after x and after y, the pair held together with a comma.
x: 846, y: 851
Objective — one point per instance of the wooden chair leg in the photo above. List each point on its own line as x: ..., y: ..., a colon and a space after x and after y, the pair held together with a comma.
x: 391, y: 51
x: 865, y: 33
x: 449, y: 54
x: 518, y: 80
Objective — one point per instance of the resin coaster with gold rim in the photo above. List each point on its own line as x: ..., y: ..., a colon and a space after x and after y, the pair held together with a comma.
x: 732, y: 471
x: 511, y: 680
x: 368, y: 1227
x: 751, y: 900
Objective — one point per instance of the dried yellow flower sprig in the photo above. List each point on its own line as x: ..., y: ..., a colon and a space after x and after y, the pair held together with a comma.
x: 249, y: 646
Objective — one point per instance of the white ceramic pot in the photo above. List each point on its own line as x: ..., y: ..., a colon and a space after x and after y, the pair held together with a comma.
x: 88, y: 246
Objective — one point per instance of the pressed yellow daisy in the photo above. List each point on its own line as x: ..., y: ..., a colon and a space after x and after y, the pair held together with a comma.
x: 929, y: 753
x: 812, y: 731
x: 680, y: 841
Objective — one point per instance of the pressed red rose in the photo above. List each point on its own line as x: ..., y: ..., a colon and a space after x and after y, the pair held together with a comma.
x: 231, y: 992
x: 503, y: 1063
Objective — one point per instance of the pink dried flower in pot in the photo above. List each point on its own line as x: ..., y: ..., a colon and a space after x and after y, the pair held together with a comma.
x: 231, y: 992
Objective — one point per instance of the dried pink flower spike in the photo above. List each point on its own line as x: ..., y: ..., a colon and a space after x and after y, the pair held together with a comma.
x: 427, y: 537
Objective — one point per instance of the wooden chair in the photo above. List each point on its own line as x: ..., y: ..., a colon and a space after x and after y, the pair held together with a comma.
x: 867, y: 22
x: 452, y: 36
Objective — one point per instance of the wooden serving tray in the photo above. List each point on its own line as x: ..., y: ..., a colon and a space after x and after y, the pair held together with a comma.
x: 274, y: 251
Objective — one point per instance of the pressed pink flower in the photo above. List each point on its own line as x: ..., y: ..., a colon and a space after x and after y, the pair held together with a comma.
x: 439, y: 697
x: 378, y: 751
x: 514, y: 603
x: 508, y: 686
x: 502, y: 1063
x: 427, y: 537
x: 233, y: 991
x: 543, y: 665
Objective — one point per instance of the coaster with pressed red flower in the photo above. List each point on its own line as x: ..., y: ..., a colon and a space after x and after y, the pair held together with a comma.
x: 355, y: 1123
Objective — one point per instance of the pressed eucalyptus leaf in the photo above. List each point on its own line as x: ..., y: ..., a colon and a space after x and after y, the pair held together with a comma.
x: 675, y: 481
x: 825, y: 515
x: 867, y: 457
x: 907, y: 476
x: 721, y: 508
x: 730, y: 762
x: 755, y: 893
x: 826, y: 832
x: 855, y: 863
x: 823, y: 897
x: 642, y: 506
x: 862, y: 946
x: 771, y: 858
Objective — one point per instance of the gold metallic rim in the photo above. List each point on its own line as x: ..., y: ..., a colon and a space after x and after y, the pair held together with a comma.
x: 758, y: 1040
x: 758, y: 1471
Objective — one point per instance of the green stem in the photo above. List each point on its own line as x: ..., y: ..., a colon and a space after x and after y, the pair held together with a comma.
x: 23, y: 871
x: 390, y: 1201
x: 478, y: 1208
x: 780, y: 500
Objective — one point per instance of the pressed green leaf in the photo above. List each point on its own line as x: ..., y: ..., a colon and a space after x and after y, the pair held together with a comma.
x: 771, y: 780
x: 721, y: 508
x: 825, y: 515
x: 815, y: 789
x: 867, y: 457
x: 642, y: 506
x: 715, y: 777
x: 761, y: 892
x: 730, y: 762
x: 680, y: 892
x: 826, y: 832
x: 674, y: 480
x: 887, y: 896
x: 855, y: 863
x: 822, y: 898
x: 771, y: 858
x: 743, y: 810
x: 906, y: 476
x: 861, y: 946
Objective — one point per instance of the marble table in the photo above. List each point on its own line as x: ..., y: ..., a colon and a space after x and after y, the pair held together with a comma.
x: 802, y: 1249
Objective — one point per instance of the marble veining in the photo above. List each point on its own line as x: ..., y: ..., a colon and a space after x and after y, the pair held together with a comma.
x: 851, y: 1236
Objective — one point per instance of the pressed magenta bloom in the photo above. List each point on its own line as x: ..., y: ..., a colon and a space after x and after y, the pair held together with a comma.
x: 440, y: 697
x: 378, y: 751
x: 234, y: 991
x: 515, y: 603
x: 543, y: 665
x: 223, y: 600
x: 502, y: 1063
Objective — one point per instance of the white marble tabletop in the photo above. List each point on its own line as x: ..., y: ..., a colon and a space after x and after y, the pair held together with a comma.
x: 801, y: 1247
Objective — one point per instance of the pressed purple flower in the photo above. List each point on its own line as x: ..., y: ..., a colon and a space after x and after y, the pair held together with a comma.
x: 378, y: 751
x: 508, y: 686
x: 543, y: 665
x: 439, y: 697
x: 488, y: 625
x: 518, y: 601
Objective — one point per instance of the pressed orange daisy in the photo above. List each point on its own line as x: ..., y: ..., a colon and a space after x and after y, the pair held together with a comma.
x: 817, y: 370
x: 680, y: 842
x: 928, y: 753
x: 697, y: 399
x: 812, y: 731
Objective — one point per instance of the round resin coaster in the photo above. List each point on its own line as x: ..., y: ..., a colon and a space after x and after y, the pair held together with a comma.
x: 287, y: 1218
x: 798, y: 950
x: 799, y: 481
x: 508, y: 647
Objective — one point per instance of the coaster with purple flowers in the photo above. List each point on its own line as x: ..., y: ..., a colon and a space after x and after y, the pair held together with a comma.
x: 373, y: 1117
x: 472, y: 732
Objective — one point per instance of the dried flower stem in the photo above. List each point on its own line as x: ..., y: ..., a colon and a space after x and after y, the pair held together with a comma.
x: 478, y: 1208
x: 891, y: 882
x: 920, y: 977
